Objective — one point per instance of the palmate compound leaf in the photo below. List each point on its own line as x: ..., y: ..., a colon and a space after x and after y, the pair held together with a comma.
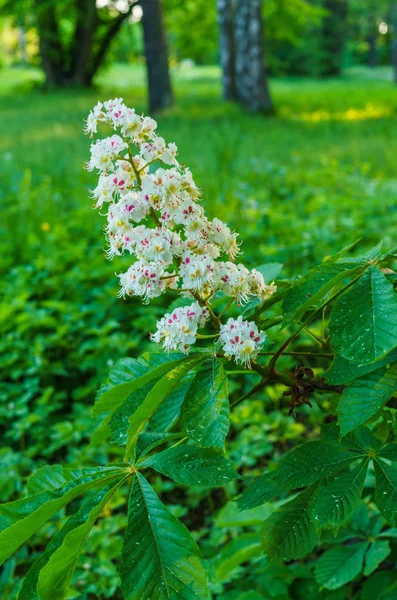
x: 154, y: 398
x: 365, y: 397
x: 22, y: 518
x: 311, y: 461
x: 160, y: 560
x: 307, y: 291
x: 386, y: 491
x: 50, y: 574
x: 338, y: 496
x: 340, y: 565
x: 289, y: 532
x: 190, y: 465
x: 205, y: 411
x: 363, y: 322
x: 259, y: 491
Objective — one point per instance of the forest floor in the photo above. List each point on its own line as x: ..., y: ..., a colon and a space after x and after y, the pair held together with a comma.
x: 298, y: 186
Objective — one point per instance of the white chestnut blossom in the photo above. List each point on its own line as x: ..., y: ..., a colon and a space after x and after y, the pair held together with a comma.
x: 153, y: 212
x: 144, y: 279
x: 241, y: 340
x: 178, y: 330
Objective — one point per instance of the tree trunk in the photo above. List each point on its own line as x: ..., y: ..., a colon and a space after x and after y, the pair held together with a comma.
x: 77, y: 63
x: 226, y: 48
x: 51, y: 51
x: 394, y: 37
x: 334, y: 32
x: 251, y: 76
x: 81, y: 50
x: 156, y: 55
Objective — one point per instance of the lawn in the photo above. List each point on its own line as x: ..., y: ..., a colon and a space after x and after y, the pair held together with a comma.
x: 329, y: 152
x: 318, y: 175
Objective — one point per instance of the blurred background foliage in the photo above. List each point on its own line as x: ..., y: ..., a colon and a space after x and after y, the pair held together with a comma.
x: 315, y: 176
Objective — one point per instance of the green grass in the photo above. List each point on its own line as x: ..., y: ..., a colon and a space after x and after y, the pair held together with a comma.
x: 324, y: 165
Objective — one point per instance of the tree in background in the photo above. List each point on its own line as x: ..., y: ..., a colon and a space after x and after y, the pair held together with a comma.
x: 242, y: 54
x: 156, y: 55
x: 227, y: 48
x: 251, y: 76
x: 333, y: 38
x: 75, y: 37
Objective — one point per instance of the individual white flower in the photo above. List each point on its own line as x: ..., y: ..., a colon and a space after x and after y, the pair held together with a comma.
x: 131, y: 125
x: 241, y: 340
x: 220, y: 234
x: 189, y: 185
x: 135, y: 206
x: 149, y: 127
x: 115, y: 111
x: 155, y: 245
x: 145, y: 280
x: 233, y: 280
x: 169, y: 154
x: 196, y: 271
x: 94, y: 117
x: 104, y: 190
x: 103, y: 153
x: 177, y: 330
x: 153, y: 150
x: 258, y: 286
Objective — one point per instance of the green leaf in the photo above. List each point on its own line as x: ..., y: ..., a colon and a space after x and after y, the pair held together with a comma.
x: 344, y: 371
x: 339, y: 496
x: 22, y: 518
x: 159, y: 558
x: 340, y: 565
x: 307, y: 291
x: 50, y: 574
x: 389, y: 452
x: 289, y: 532
x: 190, y: 465
x: 119, y: 420
x: 231, y: 516
x: 205, y: 412
x: 155, y: 396
x: 51, y: 477
x: 363, y: 323
x: 386, y: 491
x: 311, y: 461
x: 126, y: 377
x: 261, y: 490
x: 270, y: 271
x: 365, y: 397
x: 169, y: 410
x: 377, y: 552
x: 239, y: 550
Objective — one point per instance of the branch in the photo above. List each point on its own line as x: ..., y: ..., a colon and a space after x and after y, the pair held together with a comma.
x: 113, y: 29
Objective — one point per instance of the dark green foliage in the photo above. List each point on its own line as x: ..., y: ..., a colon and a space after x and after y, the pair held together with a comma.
x: 160, y: 549
x: 63, y: 329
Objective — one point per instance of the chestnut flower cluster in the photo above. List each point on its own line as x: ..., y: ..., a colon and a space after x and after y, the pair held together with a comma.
x: 153, y: 212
